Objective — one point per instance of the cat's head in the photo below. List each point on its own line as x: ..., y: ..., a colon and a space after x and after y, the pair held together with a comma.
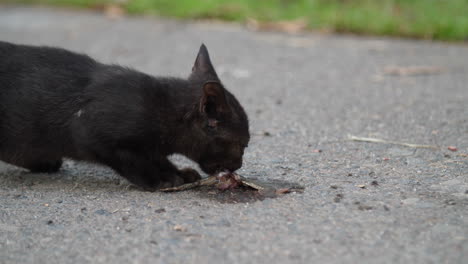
x: 219, y: 124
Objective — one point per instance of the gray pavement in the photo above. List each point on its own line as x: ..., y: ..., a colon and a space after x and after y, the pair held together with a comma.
x: 363, y: 202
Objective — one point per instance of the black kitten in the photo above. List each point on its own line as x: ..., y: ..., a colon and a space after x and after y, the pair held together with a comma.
x: 56, y: 104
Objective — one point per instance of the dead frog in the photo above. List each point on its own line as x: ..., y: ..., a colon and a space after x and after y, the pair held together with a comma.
x: 226, y: 180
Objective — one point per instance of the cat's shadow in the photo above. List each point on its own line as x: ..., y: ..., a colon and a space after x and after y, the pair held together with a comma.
x: 74, y: 175
x: 71, y: 176
x: 85, y: 177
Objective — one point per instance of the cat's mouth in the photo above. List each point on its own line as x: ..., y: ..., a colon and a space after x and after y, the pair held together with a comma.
x: 212, y: 168
x: 217, y: 168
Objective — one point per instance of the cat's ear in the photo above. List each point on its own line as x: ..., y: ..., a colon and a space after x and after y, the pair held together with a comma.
x: 203, y: 66
x: 213, y: 101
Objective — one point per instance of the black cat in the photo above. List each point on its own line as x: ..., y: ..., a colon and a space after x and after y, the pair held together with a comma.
x: 57, y: 104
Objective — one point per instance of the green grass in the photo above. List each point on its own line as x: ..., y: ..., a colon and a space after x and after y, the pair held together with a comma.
x: 429, y: 19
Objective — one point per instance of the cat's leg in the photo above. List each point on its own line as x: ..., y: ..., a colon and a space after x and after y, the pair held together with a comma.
x: 51, y: 166
x: 36, y: 162
x: 148, y: 173
x: 144, y: 172
x: 189, y: 175
x: 135, y: 168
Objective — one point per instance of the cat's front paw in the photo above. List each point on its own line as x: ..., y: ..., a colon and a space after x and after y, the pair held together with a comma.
x: 183, y: 176
x: 189, y: 175
x: 174, y: 181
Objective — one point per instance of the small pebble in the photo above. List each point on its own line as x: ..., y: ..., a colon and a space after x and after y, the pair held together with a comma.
x: 102, y: 212
x: 450, y: 202
x: 195, y: 203
x: 180, y: 228
x: 160, y: 210
x: 452, y: 148
x: 365, y: 207
x: 338, y: 198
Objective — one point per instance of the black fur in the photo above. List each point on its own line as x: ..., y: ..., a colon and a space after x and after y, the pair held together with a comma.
x: 55, y: 104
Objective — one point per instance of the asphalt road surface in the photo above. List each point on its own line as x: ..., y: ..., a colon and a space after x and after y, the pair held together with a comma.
x: 363, y: 202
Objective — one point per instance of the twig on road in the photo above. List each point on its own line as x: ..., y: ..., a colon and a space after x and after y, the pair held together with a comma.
x: 211, y: 181
x: 378, y: 140
x: 412, y: 70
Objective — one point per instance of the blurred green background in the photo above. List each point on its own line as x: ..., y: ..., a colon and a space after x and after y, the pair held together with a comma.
x: 428, y: 19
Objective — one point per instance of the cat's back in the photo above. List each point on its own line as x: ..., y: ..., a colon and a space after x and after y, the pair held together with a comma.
x: 35, y: 74
x: 40, y: 82
x: 31, y: 59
